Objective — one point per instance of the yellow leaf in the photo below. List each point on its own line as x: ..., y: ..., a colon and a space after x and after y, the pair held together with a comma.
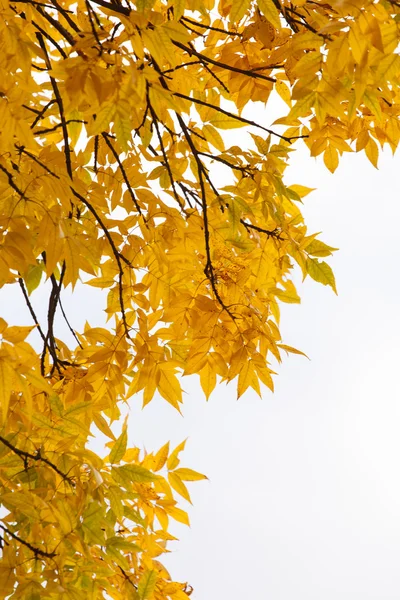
x: 6, y: 385
x: 238, y: 10
x: 372, y: 152
x: 291, y: 350
x: 208, y: 379
x: 357, y: 42
x: 179, y: 9
x: 288, y: 295
x: 270, y: 11
x: 189, y: 474
x: 318, y: 248
x: 222, y: 121
x: 178, y: 514
x: 103, y: 119
x: 161, y: 457
x: 212, y: 135
x: 169, y: 388
x: 33, y: 277
x: 173, y: 460
x: 177, y: 484
x: 284, y: 92
x: 102, y: 424
x: 320, y: 271
x: 301, y: 190
x: 246, y: 375
x: 17, y: 334
x: 302, y: 106
x: 331, y: 158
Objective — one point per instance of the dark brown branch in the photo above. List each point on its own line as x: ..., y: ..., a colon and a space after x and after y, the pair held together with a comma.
x: 233, y: 116
x: 30, y: 307
x: 68, y: 324
x: 124, y: 175
x: 41, y: 113
x: 124, y: 573
x: 67, y: 151
x: 12, y: 183
x: 57, y: 126
x: 57, y: 25
x: 275, y: 233
x: 24, y: 456
x: 34, y: 3
x: 22, y: 150
x: 207, y: 68
x: 118, y: 256
x: 188, y: 64
x: 49, y: 341
x: 65, y: 14
x: 166, y: 161
x: 93, y: 28
x: 48, y: 37
x: 36, y: 551
x: 209, y: 268
x: 247, y: 72
x: 117, y: 8
x: 226, y: 162
x: 209, y: 28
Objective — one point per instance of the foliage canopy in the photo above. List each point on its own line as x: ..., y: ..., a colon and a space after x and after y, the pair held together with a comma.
x: 115, y: 172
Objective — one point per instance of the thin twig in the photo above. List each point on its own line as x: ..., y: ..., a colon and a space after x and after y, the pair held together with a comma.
x: 36, y: 551
x: 30, y: 307
x: 36, y: 457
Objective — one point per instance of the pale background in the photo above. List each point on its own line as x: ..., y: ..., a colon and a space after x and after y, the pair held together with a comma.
x: 303, y: 498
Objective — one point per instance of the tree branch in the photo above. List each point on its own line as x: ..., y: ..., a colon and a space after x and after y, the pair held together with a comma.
x: 36, y: 551
x: 36, y: 457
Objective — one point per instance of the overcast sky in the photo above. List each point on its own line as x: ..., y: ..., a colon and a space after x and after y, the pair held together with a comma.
x: 303, y: 497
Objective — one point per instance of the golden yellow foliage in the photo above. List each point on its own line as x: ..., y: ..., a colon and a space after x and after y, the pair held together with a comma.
x: 113, y: 119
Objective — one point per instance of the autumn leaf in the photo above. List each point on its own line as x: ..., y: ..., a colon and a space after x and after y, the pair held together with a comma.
x: 146, y: 585
x: 119, y: 447
x: 122, y: 168
x: 320, y: 271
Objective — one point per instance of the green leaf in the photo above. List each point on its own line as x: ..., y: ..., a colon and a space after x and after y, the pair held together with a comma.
x: 128, y: 474
x: 33, y: 277
x: 147, y: 584
x: 119, y: 448
x: 120, y: 544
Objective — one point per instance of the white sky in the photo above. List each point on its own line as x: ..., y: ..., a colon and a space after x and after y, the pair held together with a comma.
x: 303, y: 497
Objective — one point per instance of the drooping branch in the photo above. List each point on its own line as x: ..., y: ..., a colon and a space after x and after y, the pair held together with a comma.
x: 24, y: 456
x: 238, y: 118
x: 68, y: 323
x: 275, y: 233
x: 22, y: 150
x: 118, y: 256
x: 209, y: 268
x: 36, y: 551
x: 40, y: 114
x: 123, y: 172
x: 57, y: 126
x: 248, y: 72
x: 30, y: 308
x: 49, y: 341
x: 59, y: 100
x: 166, y: 161
x: 211, y: 28
x: 12, y: 183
